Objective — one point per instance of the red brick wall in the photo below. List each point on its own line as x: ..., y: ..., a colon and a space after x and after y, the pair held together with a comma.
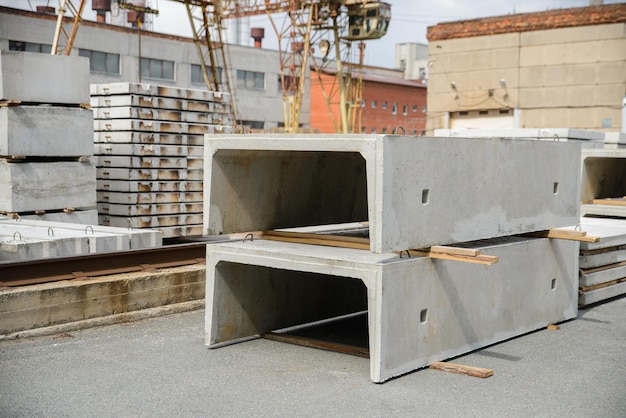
x: 552, y: 19
x: 382, y: 120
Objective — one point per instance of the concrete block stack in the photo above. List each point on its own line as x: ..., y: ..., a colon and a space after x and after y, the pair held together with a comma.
x: 46, y: 169
x: 481, y: 195
x: 149, y: 148
x: 603, y: 263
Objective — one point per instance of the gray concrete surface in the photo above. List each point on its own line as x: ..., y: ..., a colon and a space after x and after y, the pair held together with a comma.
x: 420, y: 309
x: 44, y: 78
x: 161, y: 368
x: 414, y: 191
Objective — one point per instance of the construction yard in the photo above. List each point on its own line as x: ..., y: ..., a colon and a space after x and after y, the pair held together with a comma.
x: 160, y: 367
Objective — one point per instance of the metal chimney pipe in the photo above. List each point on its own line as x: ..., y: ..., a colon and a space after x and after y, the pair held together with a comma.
x: 257, y: 34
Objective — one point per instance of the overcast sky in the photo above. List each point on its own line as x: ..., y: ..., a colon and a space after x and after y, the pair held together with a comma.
x: 410, y: 18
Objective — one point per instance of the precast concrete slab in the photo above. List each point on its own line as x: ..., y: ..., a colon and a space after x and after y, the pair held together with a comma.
x: 414, y: 191
x: 138, y: 125
x: 149, y: 198
x: 145, y: 138
x: 149, y: 174
x: 33, y: 186
x: 144, y: 89
x: 42, y: 131
x: 591, y: 139
x: 150, y: 210
x: 602, y: 263
x: 27, y: 76
x: 420, y: 310
x: 82, y: 216
x: 121, y: 161
x: 15, y: 246
x: 152, y: 221
x: 176, y: 231
x: 122, y: 238
x: 155, y: 102
x: 149, y: 186
x: 142, y: 150
x: 618, y: 138
x: 602, y: 187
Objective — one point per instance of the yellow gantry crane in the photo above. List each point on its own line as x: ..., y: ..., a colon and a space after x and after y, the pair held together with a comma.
x: 312, y: 34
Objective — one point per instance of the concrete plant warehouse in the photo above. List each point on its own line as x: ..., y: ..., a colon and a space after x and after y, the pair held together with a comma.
x: 252, y: 221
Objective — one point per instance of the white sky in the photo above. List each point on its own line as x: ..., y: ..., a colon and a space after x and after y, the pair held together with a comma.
x: 410, y: 18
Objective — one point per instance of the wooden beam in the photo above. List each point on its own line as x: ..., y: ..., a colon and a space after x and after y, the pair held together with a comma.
x: 461, y: 369
x: 617, y: 201
x: 317, y: 239
x: 566, y: 234
x: 478, y: 259
x: 315, y: 343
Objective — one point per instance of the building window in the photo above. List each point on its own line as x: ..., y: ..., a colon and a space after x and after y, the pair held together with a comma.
x: 363, y: 103
x: 373, y: 130
x: 362, y: 129
x: 250, y: 80
x: 29, y: 47
x: 101, y: 62
x: 504, y: 111
x: 153, y: 68
x: 384, y: 106
x: 394, y: 108
x: 384, y: 130
x: 423, y: 108
x: 373, y: 104
x: 197, y: 78
x: 291, y: 82
x: 414, y: 108
x: 405, y: 109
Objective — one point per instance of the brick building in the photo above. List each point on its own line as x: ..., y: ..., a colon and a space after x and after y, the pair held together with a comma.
x: 560, y: 68
x: 389, y: 103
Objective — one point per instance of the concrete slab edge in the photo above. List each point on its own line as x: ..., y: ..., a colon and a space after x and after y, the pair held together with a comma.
x: 106, y: 320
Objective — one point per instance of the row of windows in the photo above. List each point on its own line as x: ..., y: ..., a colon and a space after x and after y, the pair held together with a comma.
x: 394, y: 107
x: 109, y: 63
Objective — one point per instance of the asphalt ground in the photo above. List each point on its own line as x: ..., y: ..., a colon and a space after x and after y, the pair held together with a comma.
x: 160, y: 367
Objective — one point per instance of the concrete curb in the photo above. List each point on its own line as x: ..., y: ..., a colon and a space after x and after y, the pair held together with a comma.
x: 106, y: 320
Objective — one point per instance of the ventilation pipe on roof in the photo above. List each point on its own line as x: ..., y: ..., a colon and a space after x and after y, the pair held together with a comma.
x: 257, y: 34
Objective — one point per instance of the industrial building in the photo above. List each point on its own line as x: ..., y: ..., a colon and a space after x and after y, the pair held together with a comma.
x: 552, y: 69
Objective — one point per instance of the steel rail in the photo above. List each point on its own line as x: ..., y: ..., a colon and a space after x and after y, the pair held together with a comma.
x: 24, y: 273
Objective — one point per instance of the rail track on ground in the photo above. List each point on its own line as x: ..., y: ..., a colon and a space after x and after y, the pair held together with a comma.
x: 24, y: 273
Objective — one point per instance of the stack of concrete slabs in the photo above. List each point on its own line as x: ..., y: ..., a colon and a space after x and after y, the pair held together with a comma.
x: 414, y: 191
x: 419, y: 310
x: 113, y: 239
x: 148, y: 140
x: 588, y: 139
x: 45, y: 165
x: 603, y: 263
x: 603, y: 190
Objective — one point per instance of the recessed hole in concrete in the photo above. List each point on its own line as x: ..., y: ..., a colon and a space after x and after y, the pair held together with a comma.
x: 553, y: 284
x: 424, y: 316
x: 425, y: 193
x: 555, y: 187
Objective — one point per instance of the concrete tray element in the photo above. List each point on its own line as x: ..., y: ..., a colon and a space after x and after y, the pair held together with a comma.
x: 414, y: 191
x: 420, y: 310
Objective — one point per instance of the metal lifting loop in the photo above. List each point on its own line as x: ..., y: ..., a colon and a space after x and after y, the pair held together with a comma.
x: 396, y: 131
x: 130, y: 223
x: 17, y: 233
x: 246, y: 237
x: 407, y: 253
x: 87, y: 228
x: 50, y: 231
x: 18, y: 218
x: 556, y: 137
x: 578, y: 228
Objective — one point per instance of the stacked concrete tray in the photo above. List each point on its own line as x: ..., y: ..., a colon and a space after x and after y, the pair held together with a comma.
x: 23, y: 239
x: 414, y: 192
x: 149, y: 144
x: 602, y: 264
x: 603, y: 190
x: 46, y: 137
